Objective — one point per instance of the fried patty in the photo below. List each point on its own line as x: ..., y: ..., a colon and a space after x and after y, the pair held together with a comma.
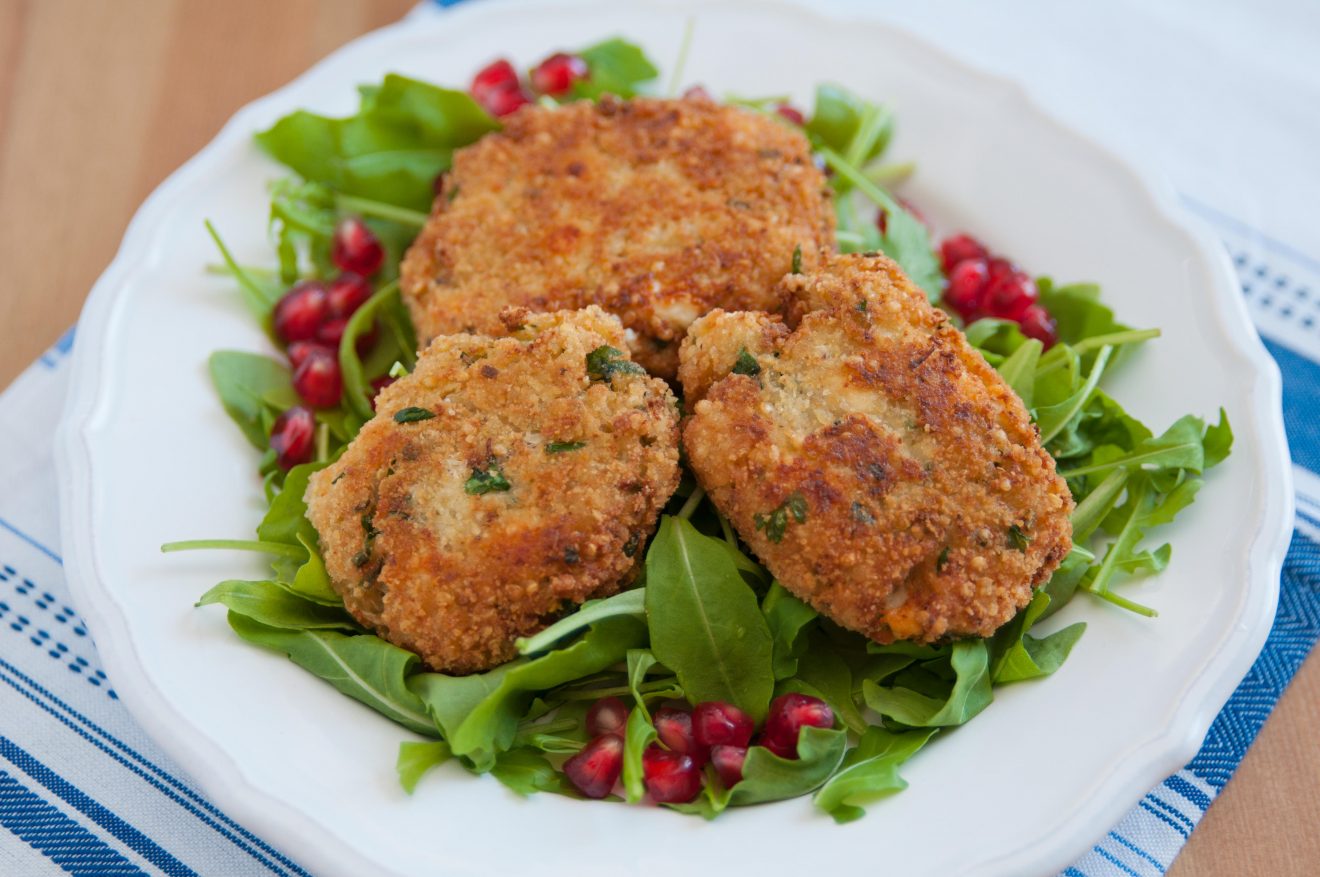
x: 500, y: 484
x: 874, y: 461
x: 655, y: 210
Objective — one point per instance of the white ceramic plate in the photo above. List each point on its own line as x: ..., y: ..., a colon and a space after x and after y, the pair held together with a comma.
x: 147, y: 456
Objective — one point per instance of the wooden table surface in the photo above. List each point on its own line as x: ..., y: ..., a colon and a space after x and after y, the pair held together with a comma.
x: 100, y: 100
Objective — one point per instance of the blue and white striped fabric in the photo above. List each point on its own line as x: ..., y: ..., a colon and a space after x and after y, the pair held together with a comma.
x: 83, y: 791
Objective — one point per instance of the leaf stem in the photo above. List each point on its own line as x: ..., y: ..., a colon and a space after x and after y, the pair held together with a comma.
x: 680, y: 62
x: 858, y: 179
x: 380, y: 210
x: 277, y: 548
x: 694, y: 500
x: 1084, y: 395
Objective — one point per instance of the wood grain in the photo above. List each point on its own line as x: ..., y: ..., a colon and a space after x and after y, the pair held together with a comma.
x: 101, y: 99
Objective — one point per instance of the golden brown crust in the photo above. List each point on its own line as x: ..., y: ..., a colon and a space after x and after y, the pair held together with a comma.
x: 656, y: 210
x: 912, y: 459
x: 456, y: 577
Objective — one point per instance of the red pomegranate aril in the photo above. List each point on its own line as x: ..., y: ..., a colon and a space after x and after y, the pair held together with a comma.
x: 596, y: 767
x: 1009, y: 292
x: 966, y: 288
x: 293, y: 436
x: 498, y: 75
x: 674, y: 728
x: 959, y: 247
x: 356, y: 248
x: 556, y: 74
x: 1037, y: 323
x: 716, y: 723
x: 346, y: 293
x: 608, y: 715
x: 301, y: 311
x: 670, y: 777
x: 728, y: 763
x: 792, y: 113
x: 789, y: 714
x: 300, y: 350
x: 502, y: 103
x: 318, y: 379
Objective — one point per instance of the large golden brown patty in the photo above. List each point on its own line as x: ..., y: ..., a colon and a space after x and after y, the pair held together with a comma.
x: 656, y: 210
x: 874, y: 461
x: 533, y: 487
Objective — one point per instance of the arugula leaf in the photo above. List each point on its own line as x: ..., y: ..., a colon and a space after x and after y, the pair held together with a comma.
x: 630, y: 603
x: 870, y: 772
x: 274, y: 606
x: 286, y: 519
x: 787, y: 617
x: 402, y: 136
x: 1019, y: 369
x: 479, y: 713
x: 415, y: 759
x: 964, y: 699
x: 767, y: 777
x: 824, y: 673
x: 704, y: 620
x: 906, y: 240
x: 524, y: 770
x: 1017, y: 655
x: 364, y: 667
x: 639, y: 732
x: 254, y: 390
x: 837, y: 118
x: 614, y: 66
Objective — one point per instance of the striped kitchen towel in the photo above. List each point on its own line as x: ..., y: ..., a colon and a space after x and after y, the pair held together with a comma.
x: 83, y: 791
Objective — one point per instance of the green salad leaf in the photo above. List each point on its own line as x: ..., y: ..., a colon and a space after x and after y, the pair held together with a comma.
x: 870, y: 771
x: 704, y: 620
x: 391, y: 150
x: 254, y: 390
x: 416, y: 758
x: 364, y: 667
x: 614, y: 66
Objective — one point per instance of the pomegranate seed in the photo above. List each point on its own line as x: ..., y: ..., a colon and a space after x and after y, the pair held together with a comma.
x: 1037, y: 323
x: 608, y: 715
x: 292, y: 437
x: 966, y: 289
x: 300, y: 350
x: 715, y: 723
x: 318, y: 380
x: 792, y: 113
x: 1009, y: 291
x: 670, y: 777
x: 356, y: 247
x: 502, y: 103
x: 674, y: 728
x: 958, y: 248
x: 728, y: 762
x: 498, y: 75
x: 595, y: 769
x: 556, y: 74
x: 696, y: 92
x: 789, y: 714
x: 346, y: 294
x: 300, y: 311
